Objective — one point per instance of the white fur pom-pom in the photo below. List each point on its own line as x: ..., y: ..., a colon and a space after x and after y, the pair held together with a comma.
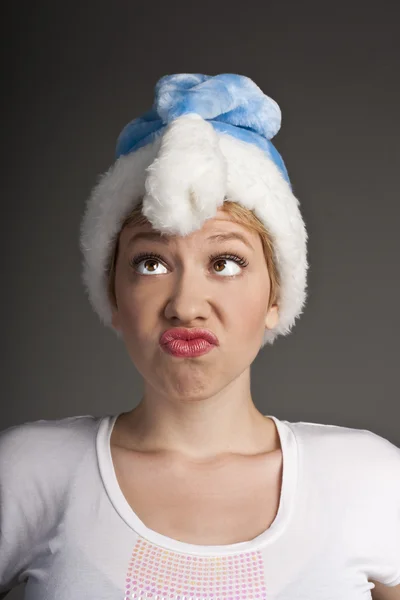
x: 187, y: 181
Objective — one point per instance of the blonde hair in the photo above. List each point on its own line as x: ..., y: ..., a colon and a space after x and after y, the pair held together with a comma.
x: 239, y: 214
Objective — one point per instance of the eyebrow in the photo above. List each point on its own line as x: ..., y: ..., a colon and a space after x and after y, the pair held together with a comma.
x: 220, y: 237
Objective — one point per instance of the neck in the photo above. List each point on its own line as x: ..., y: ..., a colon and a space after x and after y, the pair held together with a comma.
x: 199, y: 428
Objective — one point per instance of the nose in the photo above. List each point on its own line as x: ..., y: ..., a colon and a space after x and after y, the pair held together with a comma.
x: 188, y: 297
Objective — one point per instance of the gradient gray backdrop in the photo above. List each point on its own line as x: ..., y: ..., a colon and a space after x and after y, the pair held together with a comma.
x: 75, y: 73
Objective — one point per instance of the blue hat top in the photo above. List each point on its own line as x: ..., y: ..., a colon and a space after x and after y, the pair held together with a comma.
x: 232, y: 104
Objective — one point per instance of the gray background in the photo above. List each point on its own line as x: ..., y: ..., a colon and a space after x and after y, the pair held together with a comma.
x: 75, y: 73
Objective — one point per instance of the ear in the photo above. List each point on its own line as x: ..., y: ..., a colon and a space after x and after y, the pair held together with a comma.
x: 272, y: 317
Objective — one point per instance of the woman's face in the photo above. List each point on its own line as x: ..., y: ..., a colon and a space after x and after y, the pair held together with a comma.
x: 185, y: 288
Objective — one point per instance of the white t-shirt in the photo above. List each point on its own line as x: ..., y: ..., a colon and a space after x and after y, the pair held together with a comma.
x: 68, y: 531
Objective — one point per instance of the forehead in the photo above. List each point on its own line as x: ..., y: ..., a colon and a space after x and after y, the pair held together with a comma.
x: 221, y: 223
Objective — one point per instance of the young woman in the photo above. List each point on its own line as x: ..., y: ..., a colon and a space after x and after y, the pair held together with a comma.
x: 195, y: 254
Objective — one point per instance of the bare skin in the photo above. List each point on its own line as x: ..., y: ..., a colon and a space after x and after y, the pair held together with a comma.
x: 223, y: 500
x: 196, y: 460
x: 384, y: 592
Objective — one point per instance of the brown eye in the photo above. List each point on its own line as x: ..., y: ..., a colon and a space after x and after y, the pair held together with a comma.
x: 150, y: 261
x: 222, y: 259
x: 146, y: 258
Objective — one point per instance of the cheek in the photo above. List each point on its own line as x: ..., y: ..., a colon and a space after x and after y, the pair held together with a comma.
x: 137, y: 304
x: 141, y: 330
x: 248, y: 306
x: 139, y: 317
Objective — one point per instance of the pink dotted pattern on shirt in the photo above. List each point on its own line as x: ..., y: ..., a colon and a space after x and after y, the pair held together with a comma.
x: 156, y: 573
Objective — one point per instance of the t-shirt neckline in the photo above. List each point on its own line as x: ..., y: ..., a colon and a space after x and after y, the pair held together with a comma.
x: 123, y: 508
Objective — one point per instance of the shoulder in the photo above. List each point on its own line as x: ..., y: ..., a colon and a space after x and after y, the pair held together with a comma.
x: 47, y: 432
x: 37, y: 448
x: 359, y: 451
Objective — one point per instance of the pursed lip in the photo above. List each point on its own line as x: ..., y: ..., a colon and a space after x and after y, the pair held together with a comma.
x: 182, y: 333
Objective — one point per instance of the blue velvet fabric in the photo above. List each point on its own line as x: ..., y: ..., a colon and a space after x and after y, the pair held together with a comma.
x: 233, y: 104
